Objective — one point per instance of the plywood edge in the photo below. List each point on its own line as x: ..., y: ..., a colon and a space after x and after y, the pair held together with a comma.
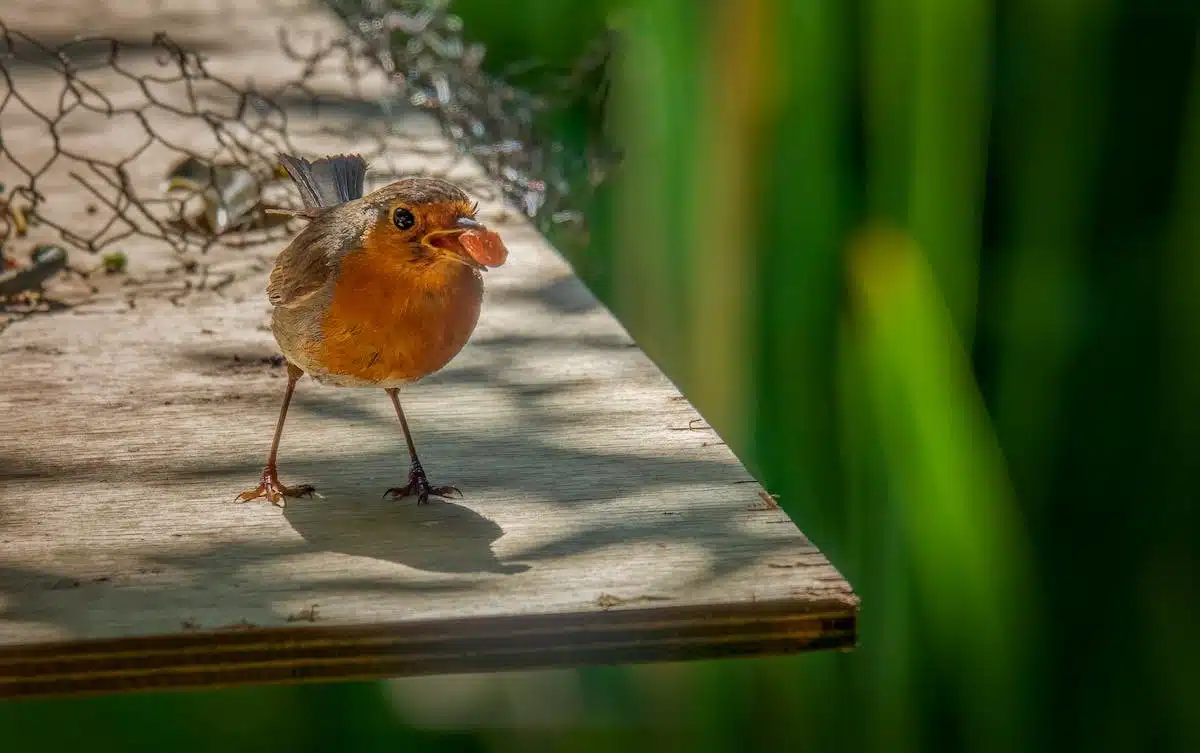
x: 310, y: 653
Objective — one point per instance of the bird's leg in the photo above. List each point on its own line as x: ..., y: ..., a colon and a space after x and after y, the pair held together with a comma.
x: 417, y: 483
x: 270, y: 486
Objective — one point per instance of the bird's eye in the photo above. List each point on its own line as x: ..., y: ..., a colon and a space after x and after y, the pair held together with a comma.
x: 403, y: 218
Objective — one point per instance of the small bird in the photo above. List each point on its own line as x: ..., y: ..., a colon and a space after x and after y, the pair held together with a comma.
x: 375, y: 291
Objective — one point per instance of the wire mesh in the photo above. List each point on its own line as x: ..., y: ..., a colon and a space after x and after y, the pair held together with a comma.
x: 245, y: 129
x: 219, y: 187
x: 421, y: 46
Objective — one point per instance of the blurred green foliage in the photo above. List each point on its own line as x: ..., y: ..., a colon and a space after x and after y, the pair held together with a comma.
x: 933, y: 268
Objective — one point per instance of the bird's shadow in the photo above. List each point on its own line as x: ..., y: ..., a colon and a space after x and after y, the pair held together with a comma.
x: 441, y: 536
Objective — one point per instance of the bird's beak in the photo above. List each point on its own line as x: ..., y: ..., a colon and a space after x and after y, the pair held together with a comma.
x: 469, y: 242
x: 448, y: 241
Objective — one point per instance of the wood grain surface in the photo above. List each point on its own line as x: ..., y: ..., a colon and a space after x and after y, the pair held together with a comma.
x: 602, y: 521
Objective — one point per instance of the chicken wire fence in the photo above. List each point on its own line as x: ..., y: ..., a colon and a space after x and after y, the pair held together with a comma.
x: 219, y: 183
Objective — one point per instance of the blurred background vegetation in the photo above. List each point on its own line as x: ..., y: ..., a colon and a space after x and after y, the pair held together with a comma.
x: 933, y: 269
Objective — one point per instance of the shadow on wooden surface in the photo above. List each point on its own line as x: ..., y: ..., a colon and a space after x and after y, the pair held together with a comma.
x: 442, y: 537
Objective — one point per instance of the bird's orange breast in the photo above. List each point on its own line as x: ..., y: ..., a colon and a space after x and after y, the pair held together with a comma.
x: 390, y: 321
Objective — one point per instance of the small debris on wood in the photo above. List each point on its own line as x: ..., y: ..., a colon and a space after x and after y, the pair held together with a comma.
x: 114, y: 262
x: 608, y: 601
x: 274, y: 361
x: 768, y: 502
x: 308, y: 614
x: 692, y: 426
x: 20, y: 219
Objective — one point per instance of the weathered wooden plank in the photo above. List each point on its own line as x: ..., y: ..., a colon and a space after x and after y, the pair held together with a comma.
x: 602, y: 521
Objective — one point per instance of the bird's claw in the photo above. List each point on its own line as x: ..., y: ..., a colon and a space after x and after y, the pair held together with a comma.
x: 271, y: 488
x: 420, y: 486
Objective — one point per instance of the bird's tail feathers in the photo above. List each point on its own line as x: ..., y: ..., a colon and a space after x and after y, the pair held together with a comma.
x: 328, y: 181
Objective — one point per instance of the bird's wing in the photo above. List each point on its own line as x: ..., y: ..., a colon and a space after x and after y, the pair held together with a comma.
x: 298, y: 273
x: 308, y: 262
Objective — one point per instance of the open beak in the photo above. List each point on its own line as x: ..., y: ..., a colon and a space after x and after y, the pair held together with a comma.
x: 469, y: 242
x: 448, y: 243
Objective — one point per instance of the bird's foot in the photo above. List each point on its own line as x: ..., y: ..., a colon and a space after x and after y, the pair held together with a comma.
x: 273, y: 489
x: 419, y: 485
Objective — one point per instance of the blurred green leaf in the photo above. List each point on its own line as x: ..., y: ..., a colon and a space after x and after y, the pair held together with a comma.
x: 963, y: 539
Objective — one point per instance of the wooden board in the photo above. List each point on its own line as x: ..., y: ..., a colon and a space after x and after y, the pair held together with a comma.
x: 602, y: 520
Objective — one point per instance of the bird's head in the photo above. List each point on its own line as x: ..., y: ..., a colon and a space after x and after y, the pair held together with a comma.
x: 431, y: 222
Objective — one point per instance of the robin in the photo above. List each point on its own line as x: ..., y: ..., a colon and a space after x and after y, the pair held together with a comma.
x: 376, y: 291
